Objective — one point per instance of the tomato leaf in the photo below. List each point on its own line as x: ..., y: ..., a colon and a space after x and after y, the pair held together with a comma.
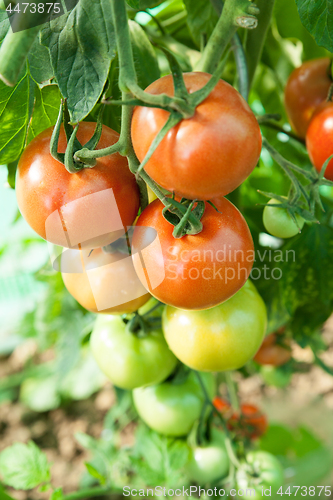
x: 95, y: 473
x: 143, y: 4
x: 146, y: 64
x: 24, y: 466
x: 40, y: 62
x: 57, y: 494
x: 317, y: 17
x: 82, y: 46
x: 201, y: 19
x: 46, y: 110
x: 15, y: 112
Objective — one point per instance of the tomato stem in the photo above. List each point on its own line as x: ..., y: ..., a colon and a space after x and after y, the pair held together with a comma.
x: 256, y: 39
x: 232, y: 391
x: 235, y: 14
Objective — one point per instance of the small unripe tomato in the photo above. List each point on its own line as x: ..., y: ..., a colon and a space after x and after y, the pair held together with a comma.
x: 209, y: 462
x: 278, y: 222
x: 103, y: 282
x: 306, y: 89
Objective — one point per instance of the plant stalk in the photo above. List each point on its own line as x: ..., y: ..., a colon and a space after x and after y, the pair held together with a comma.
x: 256, y: 39
x: 89, y: 493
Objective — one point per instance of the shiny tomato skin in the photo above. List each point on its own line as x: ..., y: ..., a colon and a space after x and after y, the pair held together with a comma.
x: 319, y: 138
x: 171, y: 408
x: 44, y: 186
x: 99, y: 278
x: 207, y: 155
x: 223, y: 338
x: 306, y: 89
x: 127, y: 359
x: 272, y: 353
x: 201, y: 270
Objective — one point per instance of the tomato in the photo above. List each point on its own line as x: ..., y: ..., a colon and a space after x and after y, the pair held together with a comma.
x: 272, y: 353
x: 250, y: 422
x: 306, y: 89
x: 319, y: 139
x: 207, y: 155
x: 279, y: 223
x: 171, y: 408
x: 194, y: 272
x: 45, y: 187
x: 128, y: 359
x: 225, y: 337
x: 103, y: 282
x: 209, y: 462
x: 260, y: 470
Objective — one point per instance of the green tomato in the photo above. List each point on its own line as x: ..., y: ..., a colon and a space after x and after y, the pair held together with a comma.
x: 224, y: 337
x: 130, y: 360
x: 261, y: 470
x: 210, y: 462
x: 279, y: 223
x: 277, y: 377
x: 171, y: 408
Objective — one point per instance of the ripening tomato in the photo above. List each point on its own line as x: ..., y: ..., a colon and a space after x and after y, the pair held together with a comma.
x: 260, y: 470
x: 209, y: 462
x: 204, y: 156
x: 250, y: 422
x: 195, y: 271
x: 103, y: 282
x: 306, y: 89
x: 319, y: 138
x: 273, y: 353
x: 278, y: 222
x: 223, y: 338
x: 171, y: 408
x: 128, y: 359
x: 88, y: 208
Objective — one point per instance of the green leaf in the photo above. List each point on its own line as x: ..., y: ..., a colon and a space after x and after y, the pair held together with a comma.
x: 146, y: 64
x: 46, y: 110
x: 201, y: 19
x: 95, y: 473
x: 15, y: 112
x: 82, y: 46
x: 317, y: 17
x: 40, y: 394
x: 40, y: 62
x: 4, y: 24
x: 57, y: 494
x: 143, y: 4
x: 12, y: 167
x: 24, y: 466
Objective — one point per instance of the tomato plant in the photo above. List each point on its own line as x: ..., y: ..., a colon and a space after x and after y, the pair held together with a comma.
x: 169, y: 156
x: 220, y: 123
x: 172, y: 407
x: 199, y: 271
x: 130, y: 359
x: 306, y: 89
x: 222, y: 338
x: 44, y: 187
x: 103, y: 282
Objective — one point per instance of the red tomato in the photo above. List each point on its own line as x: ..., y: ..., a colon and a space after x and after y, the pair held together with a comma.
x: 271, y: 353
x: 207, y: 155
x: 44, y: 187
x: 196, y: 271
x: 319, y: 138
x: 103, y: 282
x: 250, y: 422
x: 306, y: 89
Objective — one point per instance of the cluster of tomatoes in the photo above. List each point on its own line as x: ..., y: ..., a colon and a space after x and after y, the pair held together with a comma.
x: 204, y: 311
x: 309, y: 106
